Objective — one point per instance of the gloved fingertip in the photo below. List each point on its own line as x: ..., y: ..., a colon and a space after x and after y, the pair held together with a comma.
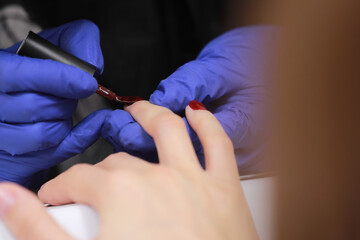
x: 95, y: 120
x: 84, y: 134
x: 93, y: 85
x: 84, y: 86
x: 134, y: 138
x: 156, y: 97
x: 116, y: 120
x: 176, y: 91
x: 167, y: 100
x: 113, y: 124
x: 121, y: 130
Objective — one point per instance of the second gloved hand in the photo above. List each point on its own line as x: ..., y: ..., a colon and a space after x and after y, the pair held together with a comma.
x: 228, y: 77
x: 37, y: 100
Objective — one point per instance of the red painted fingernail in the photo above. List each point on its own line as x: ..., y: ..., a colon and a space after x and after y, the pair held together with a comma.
x: 196, y: 105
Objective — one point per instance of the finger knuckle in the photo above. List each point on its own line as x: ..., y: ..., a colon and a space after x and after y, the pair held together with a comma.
x: 120, y: 155
x: 169, y: 120
x: 166, y: 123
x: 165, y: 175
x: 80, y: 167
x: 116, y: 157
x: 120, y: 179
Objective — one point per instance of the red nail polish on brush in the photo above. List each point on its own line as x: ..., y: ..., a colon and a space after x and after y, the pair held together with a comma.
x: 108, y: 94
x: 196, y: 105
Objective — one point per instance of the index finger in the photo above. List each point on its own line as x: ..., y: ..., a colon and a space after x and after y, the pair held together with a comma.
x: 24, y: 74
x: 218, y: 149
x: 169, y: 133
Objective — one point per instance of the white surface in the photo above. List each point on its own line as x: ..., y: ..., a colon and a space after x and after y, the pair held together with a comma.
x: 79, y: 221
x: 260, y: 195
x: 82, y: 223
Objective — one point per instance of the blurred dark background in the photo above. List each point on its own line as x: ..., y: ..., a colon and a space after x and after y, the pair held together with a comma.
x: 144, y: 41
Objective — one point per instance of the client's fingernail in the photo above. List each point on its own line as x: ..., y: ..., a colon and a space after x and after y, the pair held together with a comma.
x: 7, y: 200
x: 196, y: 105
x: 128, y: 101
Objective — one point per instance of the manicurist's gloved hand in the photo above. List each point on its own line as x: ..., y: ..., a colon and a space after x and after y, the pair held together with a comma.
x: 37, y: 100
x: 228, y: 77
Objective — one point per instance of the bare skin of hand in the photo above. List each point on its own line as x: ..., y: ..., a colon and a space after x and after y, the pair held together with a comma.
x: 175, y: 199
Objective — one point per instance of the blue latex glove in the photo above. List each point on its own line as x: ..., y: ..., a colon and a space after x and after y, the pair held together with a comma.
x: 228, y: 77
x: 37, y: 100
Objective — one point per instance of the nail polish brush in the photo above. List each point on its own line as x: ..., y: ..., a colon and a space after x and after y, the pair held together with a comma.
x: 37, y: 47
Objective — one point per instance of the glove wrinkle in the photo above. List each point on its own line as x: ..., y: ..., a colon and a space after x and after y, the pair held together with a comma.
x: 38, y: 98
x: 229, y: 77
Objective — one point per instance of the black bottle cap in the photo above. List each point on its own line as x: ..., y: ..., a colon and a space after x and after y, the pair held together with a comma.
x: 37, y: 47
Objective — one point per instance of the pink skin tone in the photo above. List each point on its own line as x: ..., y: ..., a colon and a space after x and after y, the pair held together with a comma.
x: 135, y: 199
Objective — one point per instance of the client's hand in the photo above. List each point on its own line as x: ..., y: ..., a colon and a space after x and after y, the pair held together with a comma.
x: 135, y: 199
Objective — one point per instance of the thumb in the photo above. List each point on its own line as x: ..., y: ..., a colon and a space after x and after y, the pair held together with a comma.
x: 25, y: 216
x: 205, y: 80
x: 80, y: 38
x: 83, y: 135
x: 232, y: 62
x: 192, y: 81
